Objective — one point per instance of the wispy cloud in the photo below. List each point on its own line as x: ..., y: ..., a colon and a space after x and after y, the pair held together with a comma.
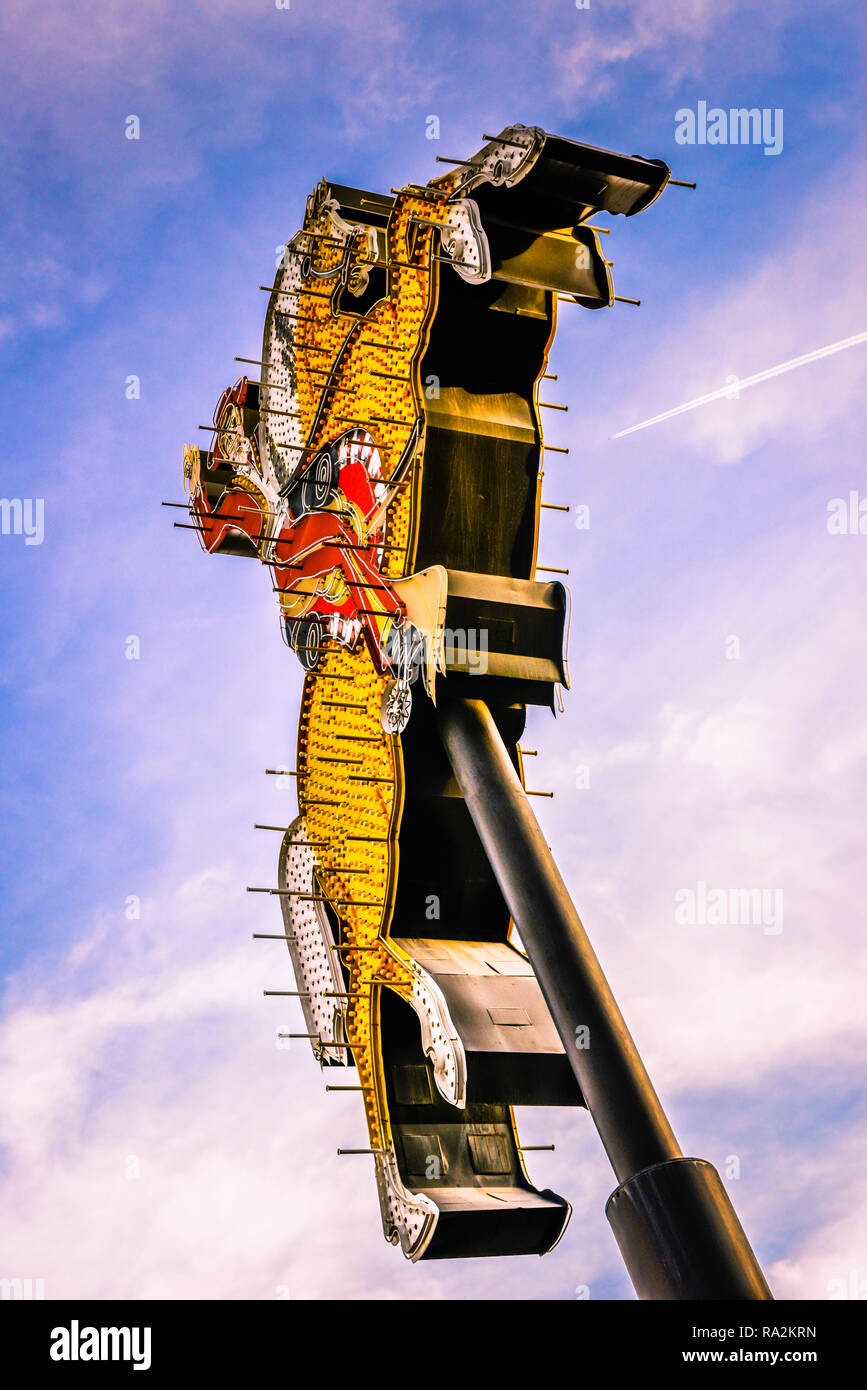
x: 144, y: 1095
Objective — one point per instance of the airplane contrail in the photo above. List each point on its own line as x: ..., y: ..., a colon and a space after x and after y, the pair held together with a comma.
x: 741, y: 385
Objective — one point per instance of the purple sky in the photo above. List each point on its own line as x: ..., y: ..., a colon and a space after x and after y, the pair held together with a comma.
x: 154, y: 1141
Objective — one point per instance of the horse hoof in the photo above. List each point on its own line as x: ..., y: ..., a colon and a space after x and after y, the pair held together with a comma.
x: 396, y: 707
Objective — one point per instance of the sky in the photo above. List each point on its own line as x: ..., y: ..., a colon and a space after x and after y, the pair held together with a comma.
x: 155, y: 1142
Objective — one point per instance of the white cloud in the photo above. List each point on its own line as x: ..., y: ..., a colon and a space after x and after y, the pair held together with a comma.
x: 735, y: 743
x: 151, y: 1039
x: 831, y: 1262
x: 595, y: 47
x: 158, y: 1144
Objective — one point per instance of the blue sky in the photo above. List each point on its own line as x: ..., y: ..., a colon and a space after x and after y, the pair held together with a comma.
x: 149, y: 1039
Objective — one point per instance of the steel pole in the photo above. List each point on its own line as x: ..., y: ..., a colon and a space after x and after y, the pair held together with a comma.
x: 671, y: 1216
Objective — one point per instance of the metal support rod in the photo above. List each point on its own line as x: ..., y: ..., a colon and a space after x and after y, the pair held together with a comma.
x: 612, y: 1077
x: 677, y: 1230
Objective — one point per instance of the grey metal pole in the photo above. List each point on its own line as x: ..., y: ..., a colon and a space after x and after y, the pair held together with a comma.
x: 672, y: 1218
